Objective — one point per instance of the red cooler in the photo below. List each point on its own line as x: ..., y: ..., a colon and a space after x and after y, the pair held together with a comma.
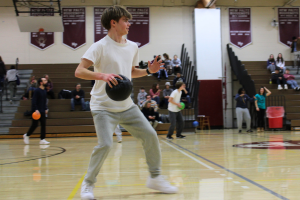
x: 275, y: 115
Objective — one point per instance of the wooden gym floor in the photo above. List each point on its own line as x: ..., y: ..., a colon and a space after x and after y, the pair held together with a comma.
x: 214, y: 165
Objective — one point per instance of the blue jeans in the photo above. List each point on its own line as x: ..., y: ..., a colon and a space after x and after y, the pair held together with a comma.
x: 31, y: 89
x: 162, y: 71
x: 187, y: 98
x: 166, y: 101
x: 77, y: 102
x: 156, y: 99
x: 293, y: 83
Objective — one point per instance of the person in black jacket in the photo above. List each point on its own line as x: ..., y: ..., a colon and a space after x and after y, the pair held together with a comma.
x: 2, y: 73
x: 77, y: 98
x: 242, y: 112
x: 278, y: 79
x: 178, y: 78
x: 39, y: 105
x: 149, y: 113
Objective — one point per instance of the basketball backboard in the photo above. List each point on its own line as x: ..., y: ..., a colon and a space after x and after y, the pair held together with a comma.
x: 35, y: 23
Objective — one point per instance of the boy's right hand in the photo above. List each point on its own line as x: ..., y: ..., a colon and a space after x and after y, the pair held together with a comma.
x: 110, y: 78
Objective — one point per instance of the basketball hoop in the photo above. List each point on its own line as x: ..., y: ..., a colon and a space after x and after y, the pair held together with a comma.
x: 41, y: 30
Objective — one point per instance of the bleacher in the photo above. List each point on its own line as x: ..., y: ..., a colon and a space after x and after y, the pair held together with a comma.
x: 260, y: 76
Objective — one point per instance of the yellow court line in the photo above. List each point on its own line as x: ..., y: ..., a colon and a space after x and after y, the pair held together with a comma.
x: 71, y: 196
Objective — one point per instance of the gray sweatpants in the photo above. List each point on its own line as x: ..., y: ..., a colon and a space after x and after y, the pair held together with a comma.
x: 243, y: 114
x: 175, y: 120
x: 137, y: 125
x: 12, y: 87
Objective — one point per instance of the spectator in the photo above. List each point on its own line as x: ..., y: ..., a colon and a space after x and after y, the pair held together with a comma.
x: 295, y: 51
x: 280, y: 63
x: 11, y: 77
x: 278, y: 79
x: 271, y: 64
x: 242, y: 112
x: 161, y: 72
x: 168, y: 63
x: 290, y: 79
x: 155, y: 92
x: 260, y: 104
x: 141, y: 98
x: 176, y: 65
x: 32, y: 85
x: 178, y: 78
x: 185, y: 97
x: 2, y: 73
x: 77, y: 98
x: 49, y: 87
x: 166, y: 93
x: 149, y: 113
x: 154, y: 106
x: 175, y: 115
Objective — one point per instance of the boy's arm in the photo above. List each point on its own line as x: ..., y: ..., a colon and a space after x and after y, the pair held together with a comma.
x: 153, y: 68
x: 83, y: 73
x: 173, y: 102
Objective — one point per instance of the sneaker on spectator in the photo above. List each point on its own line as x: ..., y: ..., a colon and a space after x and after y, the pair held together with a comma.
x: 286, y: 86
x: 160, y: 122
x: 279, y: 87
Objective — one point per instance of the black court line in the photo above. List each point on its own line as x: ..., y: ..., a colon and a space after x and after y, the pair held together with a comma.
x: 232, y: 172
x: 51, y: 155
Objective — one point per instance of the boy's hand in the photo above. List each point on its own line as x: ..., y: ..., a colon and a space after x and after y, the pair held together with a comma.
x: 155, y: 66
x: 110, y: 78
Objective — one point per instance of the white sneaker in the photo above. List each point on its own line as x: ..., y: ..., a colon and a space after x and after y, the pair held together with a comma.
x: 286, y: 86
x: 26, y: 138
x: 44, y: 142
x: 87, y: 191
x: 160, y: 184
x: 279, y: 87
x: 119, y: 141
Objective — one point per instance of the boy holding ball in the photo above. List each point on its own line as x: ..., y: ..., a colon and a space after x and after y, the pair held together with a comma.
x: 175, y: 115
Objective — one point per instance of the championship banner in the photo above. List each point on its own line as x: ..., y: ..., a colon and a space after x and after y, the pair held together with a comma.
x: 74, y: 27
x: 99, y: 31
x: 42, y: 40
x: 139, y: 29
x: 288, y: 19
x: 240, y: 26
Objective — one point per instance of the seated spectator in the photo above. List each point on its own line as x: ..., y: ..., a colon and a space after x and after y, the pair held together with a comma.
x: 185, y: 97
x: 49, y: 87
x: 155, y: 92
x: 11, y: 76
x: 290, y: 79
x: 32, y: 85
x: 78, y: 98
x: 141, y: 98
x: 280, y: 63
x: 149, y: 113
x: 271, y: 63
x: 168, y: 63
x: 278, y: 79
x: 153, y: 105
x: 2, y: 73
x: 178, y: 78
x: 166, y: 93
x: 176, y: 65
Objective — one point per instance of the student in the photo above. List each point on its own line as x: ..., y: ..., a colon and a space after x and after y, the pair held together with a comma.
x: 2, y: 73
x: 49, y: 87
x: 168, y: 63
x: 155, y: 93
x: 176, y: 65
x: 78, y: 98
x: 280, y: 63
x: 271, y: 63
x: 148, y: 112
x: 295, y: 50
x: 290, y: 79
x: 178, y: 78
x: 141, y: 98
x: 175, y: 115
x: 110, y: 56
x: 166, y: 93
x: 11, y: 76
x: 278, y: 79
x: 39, y: 105
x: 260, y: 104
x: 242, y: 112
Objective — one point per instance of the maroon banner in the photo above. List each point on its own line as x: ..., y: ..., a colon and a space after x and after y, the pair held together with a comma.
x: 240, y: 26
x: 42, y: 40
x: 139, y: 29
x: 74, y: 27
x: 99, y: 31
x: 288, y: 19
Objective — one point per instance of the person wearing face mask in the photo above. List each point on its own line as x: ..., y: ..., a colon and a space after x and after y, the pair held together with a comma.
x: 39, y: 105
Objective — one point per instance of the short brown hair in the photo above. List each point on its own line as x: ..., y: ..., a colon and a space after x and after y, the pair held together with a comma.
x: 113, y: 13
x: 179, y: 84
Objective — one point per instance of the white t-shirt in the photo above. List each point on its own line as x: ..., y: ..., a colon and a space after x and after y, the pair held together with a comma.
x: 109, y: 57
x: 176, y: 95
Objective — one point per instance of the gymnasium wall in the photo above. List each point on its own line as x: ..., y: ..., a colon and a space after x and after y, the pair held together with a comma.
x: 170, y: 27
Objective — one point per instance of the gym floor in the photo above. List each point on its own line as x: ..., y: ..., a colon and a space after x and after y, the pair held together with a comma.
x: 208, y: 165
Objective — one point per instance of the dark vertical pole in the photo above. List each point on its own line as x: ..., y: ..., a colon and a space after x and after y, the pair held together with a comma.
x: 16, y: 9
x: 59, y: 8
